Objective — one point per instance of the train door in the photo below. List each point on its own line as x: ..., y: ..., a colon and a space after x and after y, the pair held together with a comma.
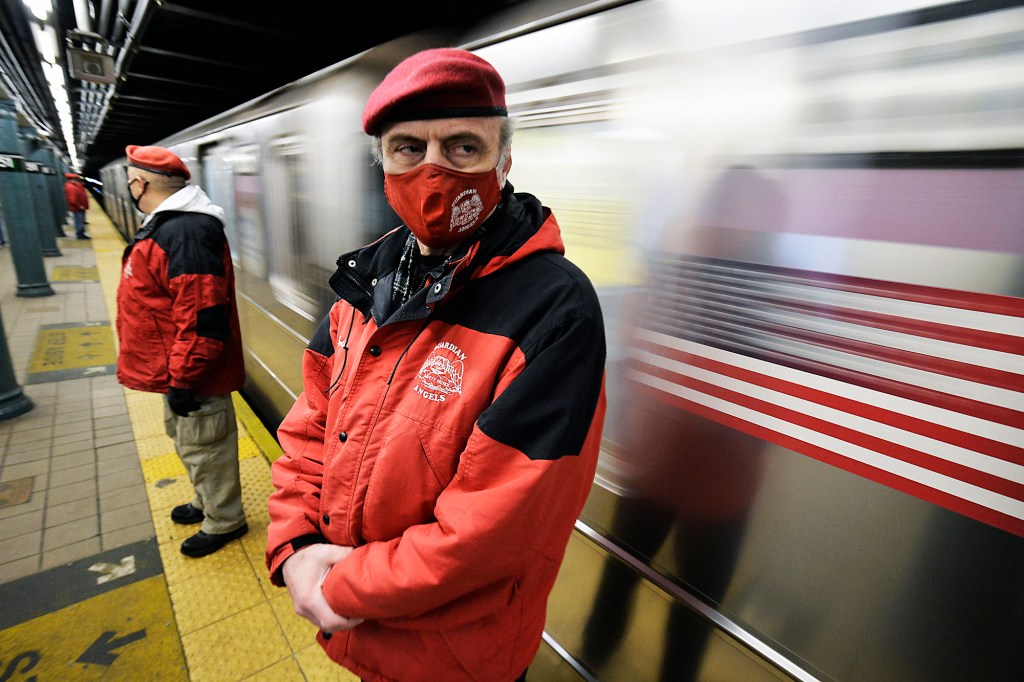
x: 247, y: 198
x: 116, y: 188
x: 218, y: 182
x: 296, y: 277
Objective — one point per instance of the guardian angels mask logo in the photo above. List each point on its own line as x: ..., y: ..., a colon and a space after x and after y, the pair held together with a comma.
x: 440, y: 205
x: 441, y: 373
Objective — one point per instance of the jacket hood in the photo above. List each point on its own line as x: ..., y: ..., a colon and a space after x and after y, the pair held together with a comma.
x: 189, y: 199
x: 522, y: 228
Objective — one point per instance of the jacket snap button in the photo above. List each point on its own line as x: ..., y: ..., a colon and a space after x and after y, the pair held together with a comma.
x: 327, y: 520
x: 343, y: 436
x: 437, y: 288
x: 375, y: 351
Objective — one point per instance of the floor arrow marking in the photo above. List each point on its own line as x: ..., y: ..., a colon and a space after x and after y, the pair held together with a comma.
x: 101, y: 651
x: 114, y: 571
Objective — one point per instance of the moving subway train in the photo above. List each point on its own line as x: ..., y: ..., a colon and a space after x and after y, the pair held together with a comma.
x: 806, y: 224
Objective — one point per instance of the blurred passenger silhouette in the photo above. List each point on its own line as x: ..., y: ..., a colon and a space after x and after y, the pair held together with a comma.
x: 695, y: 480
x: 690, y: 480
x: 78, y: 202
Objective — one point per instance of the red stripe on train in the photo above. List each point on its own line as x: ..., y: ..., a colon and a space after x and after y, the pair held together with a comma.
x: 966, y: 336
x: 997, y: 378
x: 939, y: 498
x: 874, y: 443
x: 946, y: 298
x: 958, y: 404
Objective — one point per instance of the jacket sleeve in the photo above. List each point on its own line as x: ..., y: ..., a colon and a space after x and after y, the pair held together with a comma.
x: 519, y: 487
x: 298, y: 474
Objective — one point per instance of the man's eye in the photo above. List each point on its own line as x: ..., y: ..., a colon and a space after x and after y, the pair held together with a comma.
x: 408, y: 149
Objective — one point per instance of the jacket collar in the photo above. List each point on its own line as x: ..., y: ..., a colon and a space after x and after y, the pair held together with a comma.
x: 519, y: 228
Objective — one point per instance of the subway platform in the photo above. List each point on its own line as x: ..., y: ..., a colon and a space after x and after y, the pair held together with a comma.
x: 92, y: 583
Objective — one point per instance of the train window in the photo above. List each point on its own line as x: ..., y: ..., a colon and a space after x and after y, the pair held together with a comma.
x: 296, y: 275
x: 131, y: 218
x: 248, y: 198
x: 219, y: 185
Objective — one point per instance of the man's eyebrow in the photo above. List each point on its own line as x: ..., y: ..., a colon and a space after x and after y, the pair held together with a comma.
x: 454, y: 138
x: 463, y: 137
x: 403, y: 138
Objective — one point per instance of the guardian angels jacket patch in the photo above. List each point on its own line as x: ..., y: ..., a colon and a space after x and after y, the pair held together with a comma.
x: 453, y: 443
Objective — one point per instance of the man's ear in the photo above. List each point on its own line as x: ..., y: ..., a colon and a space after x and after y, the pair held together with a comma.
x: 505, y: 168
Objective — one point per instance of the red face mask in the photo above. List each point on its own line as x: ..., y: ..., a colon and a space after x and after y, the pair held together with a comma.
x: 442, y: 206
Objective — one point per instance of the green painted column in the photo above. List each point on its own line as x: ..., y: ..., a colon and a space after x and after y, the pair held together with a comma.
x: 46, y: 221
x: 16, y: 203
x: 55, y: 185
x: 13, y: 401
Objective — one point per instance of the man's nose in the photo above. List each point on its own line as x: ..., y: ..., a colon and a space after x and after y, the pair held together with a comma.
x: 435, y: 155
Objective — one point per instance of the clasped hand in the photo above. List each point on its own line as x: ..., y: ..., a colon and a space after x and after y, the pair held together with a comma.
x: 304, y: 573
x: 182, y: 401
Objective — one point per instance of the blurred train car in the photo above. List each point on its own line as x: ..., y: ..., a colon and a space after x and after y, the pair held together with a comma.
x: 806, y: 224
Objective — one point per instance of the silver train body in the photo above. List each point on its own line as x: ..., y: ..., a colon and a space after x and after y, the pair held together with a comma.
x: 806, y: 224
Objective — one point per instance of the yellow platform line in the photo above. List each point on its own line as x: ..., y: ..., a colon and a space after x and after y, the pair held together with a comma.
x: 234, y: 624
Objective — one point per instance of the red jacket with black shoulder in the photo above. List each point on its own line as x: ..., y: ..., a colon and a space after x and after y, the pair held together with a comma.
x: 453, y: 443
x: 177, y: 320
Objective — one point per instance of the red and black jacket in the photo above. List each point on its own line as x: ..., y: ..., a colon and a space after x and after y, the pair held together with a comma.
x: 177, y: 320
x: 452, y: 443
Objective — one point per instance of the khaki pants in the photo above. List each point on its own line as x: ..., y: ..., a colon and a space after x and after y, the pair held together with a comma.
x: 207, y: 443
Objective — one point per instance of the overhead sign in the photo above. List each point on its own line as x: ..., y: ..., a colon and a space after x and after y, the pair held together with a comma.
x: 94, y: 67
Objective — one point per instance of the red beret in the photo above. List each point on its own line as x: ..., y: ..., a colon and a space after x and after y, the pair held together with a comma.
x: 157, y: 160
x: 436, y: 83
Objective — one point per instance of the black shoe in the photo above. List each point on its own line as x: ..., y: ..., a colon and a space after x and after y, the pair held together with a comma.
x: 83, y: 237
x: 202, y: 544
x: 186, y: 514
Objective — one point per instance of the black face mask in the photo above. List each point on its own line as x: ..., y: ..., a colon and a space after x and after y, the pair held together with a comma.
x: 135, y: 200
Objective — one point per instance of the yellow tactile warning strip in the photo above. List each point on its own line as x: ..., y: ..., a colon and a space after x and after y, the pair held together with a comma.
x: 72, y: 243
x: 233, y: 624
x: 225, y: 598
x: 70, y: 351
x: 75, y: 274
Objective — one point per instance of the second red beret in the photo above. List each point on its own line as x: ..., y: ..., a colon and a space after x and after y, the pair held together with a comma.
x: 156, y: 159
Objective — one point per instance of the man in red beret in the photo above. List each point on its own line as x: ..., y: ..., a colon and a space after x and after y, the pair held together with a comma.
x: 178, y: 325
x: 449, y: 428
x: 78, y: 203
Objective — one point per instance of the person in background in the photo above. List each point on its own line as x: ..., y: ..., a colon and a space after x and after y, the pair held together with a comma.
x: 78, y: 203
x: 448, y: 431
x: 177, y: 321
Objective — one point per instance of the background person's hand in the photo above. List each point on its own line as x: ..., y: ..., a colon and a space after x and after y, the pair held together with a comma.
x: 182, y: 401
